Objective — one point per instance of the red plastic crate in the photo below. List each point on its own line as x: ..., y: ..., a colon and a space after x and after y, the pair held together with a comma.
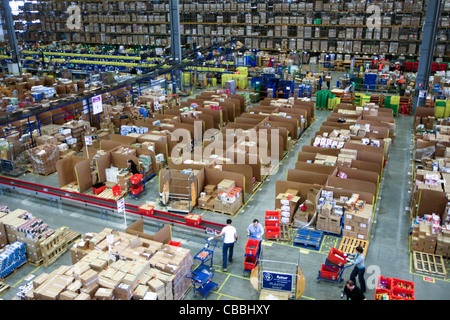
x: 136, y: 190
x: 272, y: 232
x: 337, y: 257
x: 146, y: 209
x: 251, y: 247
x: 174, y: 243
x: 116, y: 190
x: 442, y: 66
x: 408, y: 65
x: 249, y: 263
x: 136, y: 178
x: 402, y: 284
x: 97, y: 191
x: 386, y: 280
x: 272, y: 219
x: 434, y: 66
x: 401, y: 294
x: 193, y: 219
x: 379, y: 292
x: 326, y: 273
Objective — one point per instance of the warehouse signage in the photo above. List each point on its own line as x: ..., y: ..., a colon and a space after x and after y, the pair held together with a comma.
x: 277, y: 281
x: 97, y: 105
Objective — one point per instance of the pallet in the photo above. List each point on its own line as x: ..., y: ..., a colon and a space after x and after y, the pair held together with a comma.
x: 284, y: 234
x: 349, y: 244
x: 108, y: 194
x: 53, y: 247
x: 71, y: 236
x: 15, y: 270
x: 3, y: 287
x: 256, y: 185
x: 430, y: 264
x: 311, y: 239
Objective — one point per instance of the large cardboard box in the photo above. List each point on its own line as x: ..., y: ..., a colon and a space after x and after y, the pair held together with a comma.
x: 226, y: 186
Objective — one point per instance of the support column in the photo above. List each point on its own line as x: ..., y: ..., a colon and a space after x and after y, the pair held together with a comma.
x: 175, y: 39
x: 9, y: 24
x: 426, y: 51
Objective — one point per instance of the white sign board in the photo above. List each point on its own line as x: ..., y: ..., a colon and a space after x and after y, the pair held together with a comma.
x: 97, y: 105
x: 88, y: 140
x: 121, y: 208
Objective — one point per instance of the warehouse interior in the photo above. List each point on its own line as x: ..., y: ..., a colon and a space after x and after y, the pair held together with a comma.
x: 327, y: 121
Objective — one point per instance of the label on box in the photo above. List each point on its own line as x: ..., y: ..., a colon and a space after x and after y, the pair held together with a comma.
x: 363, y: 225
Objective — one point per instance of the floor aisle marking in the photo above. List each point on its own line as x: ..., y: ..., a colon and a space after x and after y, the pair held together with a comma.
x: 13, y: 286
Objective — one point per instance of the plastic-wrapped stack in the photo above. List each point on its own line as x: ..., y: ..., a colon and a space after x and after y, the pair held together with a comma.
x: 12, y: 257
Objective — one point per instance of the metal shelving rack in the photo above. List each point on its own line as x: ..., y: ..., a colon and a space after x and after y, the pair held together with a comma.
x: 318, y: 27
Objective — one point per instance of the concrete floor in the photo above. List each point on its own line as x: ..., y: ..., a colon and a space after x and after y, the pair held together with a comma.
x: 388, y: 252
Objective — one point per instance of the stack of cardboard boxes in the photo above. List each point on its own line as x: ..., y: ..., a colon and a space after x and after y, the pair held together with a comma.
x: 113, y: 265
x: 229, y: 197
x: 429, y: 235
x: 357, y: 218
x: 287, y: 203
x: 43, y: 159
x: 330, y: 211
x: 20, y: 225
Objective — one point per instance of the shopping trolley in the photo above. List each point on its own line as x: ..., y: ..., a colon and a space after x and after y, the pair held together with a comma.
x: 207, y: 253
x: 202, y: 275
x: 334, y: 267
x: 252, y: 251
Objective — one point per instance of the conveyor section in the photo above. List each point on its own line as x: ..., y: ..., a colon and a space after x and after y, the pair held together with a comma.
x: 105, y: 204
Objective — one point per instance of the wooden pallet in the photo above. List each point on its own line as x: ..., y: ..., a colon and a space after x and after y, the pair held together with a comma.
x: 3, y: 287
x: 53, y: 247
x: 349, y: 244
x: 71, y: 236
x: 428, y: 263
x: 108, y: 194
x: 284, y: 234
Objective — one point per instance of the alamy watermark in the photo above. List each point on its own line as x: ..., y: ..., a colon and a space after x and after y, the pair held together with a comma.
x: 74, y: 20
x: 230, y: 146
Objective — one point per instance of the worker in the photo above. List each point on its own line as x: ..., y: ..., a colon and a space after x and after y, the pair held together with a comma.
x: 359, y: 268
x: 230, y: 236
x: 352, y: 292
x: 132, y: 167
x: 328, y: 80
x: 353, y: 87
x: 397, y: 66
x: 401, y: 81
x: 320, y: 83
x: 255, y: 230
x: 380, y: 66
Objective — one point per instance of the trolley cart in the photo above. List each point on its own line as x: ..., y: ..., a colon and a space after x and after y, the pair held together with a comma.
x: 252, y: 251
x: 332, y: 273
x: 334, y: 267
x: 207, y: 253
x: 201, y: 280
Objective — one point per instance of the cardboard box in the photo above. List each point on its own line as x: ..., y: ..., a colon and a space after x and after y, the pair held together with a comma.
x: 89, y: 277
x: 334, y: 220
x: 104, y: 294
x: 67, y: 295
x: 226, y: 186
x: 327, y: 210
